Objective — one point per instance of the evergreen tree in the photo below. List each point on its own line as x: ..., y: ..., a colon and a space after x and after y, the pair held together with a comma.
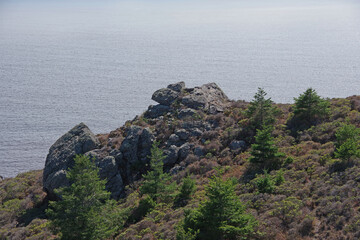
x: 309, y: 109
x: 84, y: 211
x: 186, y: 190
x: 347, y: 142
x: 264, y: 151
x: 346, y: 132
x: 261, y: 110
x: 220, y: 216
x: 264, y: 183
x: 157, y: 183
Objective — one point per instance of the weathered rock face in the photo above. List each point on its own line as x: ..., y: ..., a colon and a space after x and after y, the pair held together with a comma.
x: 78, y: 140
x: 208, y: 97
x: 135, y: 150
x: 171, y: 155
x: 118, y: 166
x: 156, y: 111
x: 177, y: 87
x: 165, y: 96
x: 188, y: 112
x: 108, y: 169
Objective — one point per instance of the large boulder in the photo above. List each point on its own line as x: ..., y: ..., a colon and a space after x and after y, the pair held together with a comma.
x: 237, y: 145
x: 78, y: 140
x: 135, y: 150
x: 177, y: 87
x: 156, y: 111
x: 208, y: 97
x: 165, y: 96
x: 182, y: 134
x: 108, y: 169
x: 171, y: 155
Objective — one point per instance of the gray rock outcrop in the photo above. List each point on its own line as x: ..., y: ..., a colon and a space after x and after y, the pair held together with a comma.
x: 78, y: 140
x: 171, y: 155
x: 156, y: 111
x: 208, y: 97
x: 237, y: 145
x: 165, y: 96
x: 184, y: 151
x: 108, y: 169
x: 188, y: 112
x: 124, y: 153
x: 177, y: 87
x: 182, y: 134
x: 135, y: 150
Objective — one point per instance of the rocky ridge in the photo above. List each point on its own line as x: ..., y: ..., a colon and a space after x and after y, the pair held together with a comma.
x: 122, y: 155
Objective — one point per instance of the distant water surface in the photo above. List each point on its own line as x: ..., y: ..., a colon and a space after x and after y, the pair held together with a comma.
x: 99, y: 62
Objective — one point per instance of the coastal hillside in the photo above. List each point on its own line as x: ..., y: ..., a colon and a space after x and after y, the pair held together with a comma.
x: 199, y: 166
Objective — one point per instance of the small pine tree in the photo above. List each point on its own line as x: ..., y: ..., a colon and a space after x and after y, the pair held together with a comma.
x: 220, y: 216
x: 264, y: 152
x: 309, y: 109
x: 156, y: 183
x: 261, y: 110
x: 84, y: 211
x: 186, y: 190
x: 347, y: 142
x: 346, y: 132
x: 264, y: 183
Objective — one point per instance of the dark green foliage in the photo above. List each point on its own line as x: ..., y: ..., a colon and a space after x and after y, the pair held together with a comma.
x: 347, y: 142
x: 288, y: 160
x: 279, y: 177
x: 265, y: 184
x: 264, y: 153
x: 186, y: 234
x: 261, y: 110
x: 309, y: 110
x: 186, y: 190
x: 156, y: 183
x: 146, y: 204
x: 85, y: 211
x: 221, y: 215
x: 346, y: 132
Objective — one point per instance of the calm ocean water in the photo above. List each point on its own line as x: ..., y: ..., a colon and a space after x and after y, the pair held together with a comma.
x: 99, y: 62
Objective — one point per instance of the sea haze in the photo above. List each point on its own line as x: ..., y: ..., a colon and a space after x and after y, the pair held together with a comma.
x: 99, y: 62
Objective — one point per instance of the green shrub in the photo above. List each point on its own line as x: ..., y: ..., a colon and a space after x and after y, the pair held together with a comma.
x: 347, y: 142
x: 186, y: 190
x: 288, y: 160
x: 288, y: 209
x: 264, y: 183
x: 279, y: 177
x: 11, y: 209
x: 146, y: 204
x: 186, y: 234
